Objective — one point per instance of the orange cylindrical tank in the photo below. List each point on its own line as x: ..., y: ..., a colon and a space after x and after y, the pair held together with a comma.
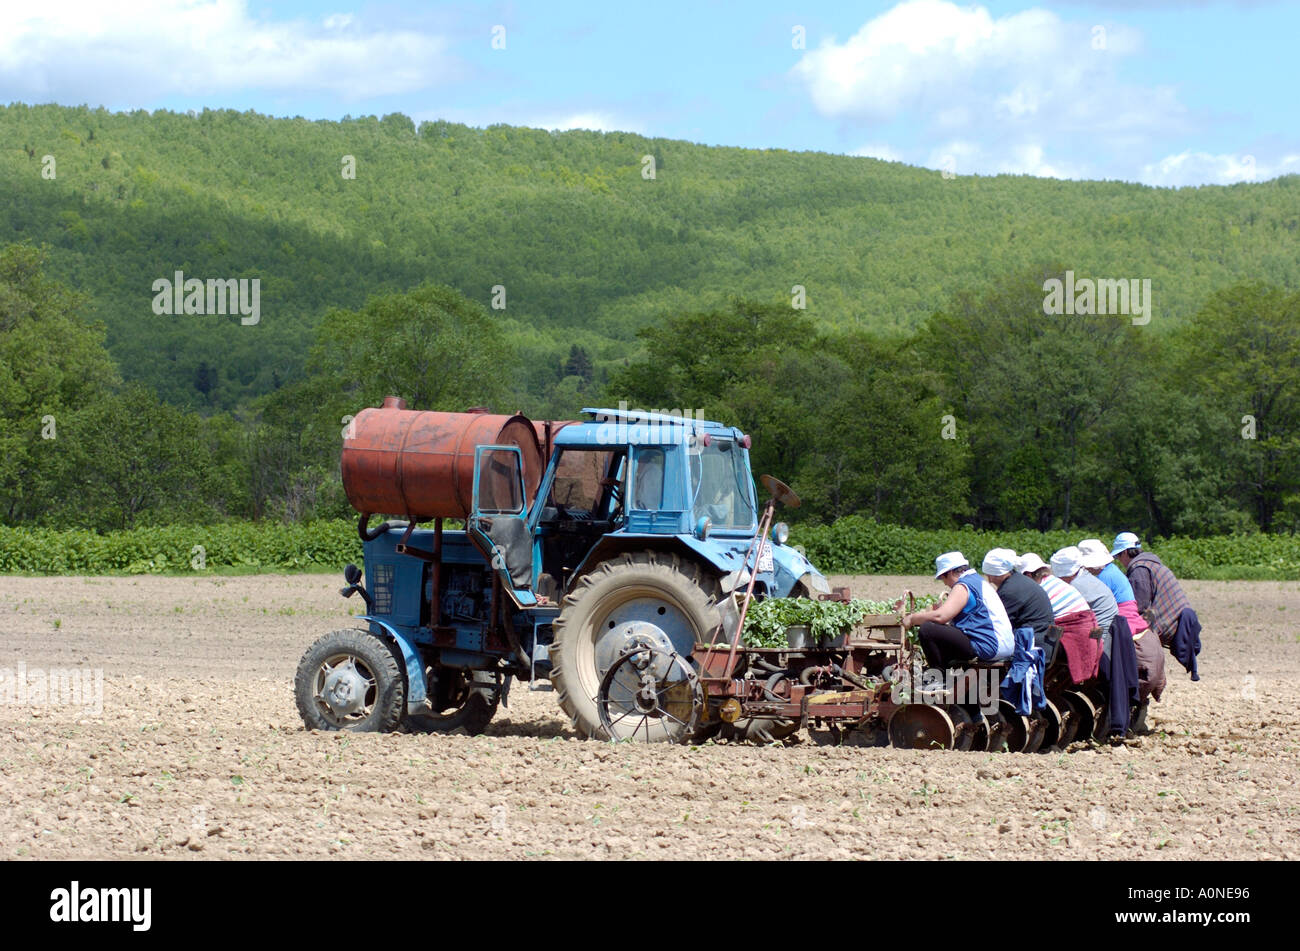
x: 398, y: 461
x: 546, y: 430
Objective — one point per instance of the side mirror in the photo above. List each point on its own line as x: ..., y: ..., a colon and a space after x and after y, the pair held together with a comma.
x: 352, y: 573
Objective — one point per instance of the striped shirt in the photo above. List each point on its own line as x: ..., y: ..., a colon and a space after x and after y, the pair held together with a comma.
x: 1065, y: 598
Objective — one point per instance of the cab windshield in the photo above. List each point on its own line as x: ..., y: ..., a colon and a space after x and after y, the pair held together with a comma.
x: 720, y: 486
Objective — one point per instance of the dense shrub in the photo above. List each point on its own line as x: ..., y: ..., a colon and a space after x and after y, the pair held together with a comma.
x: 242, y: 545
x: 852, y: 545
x: 855, y: 545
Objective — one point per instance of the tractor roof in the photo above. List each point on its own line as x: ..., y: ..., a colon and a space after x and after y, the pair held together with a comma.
x: 620, y: 427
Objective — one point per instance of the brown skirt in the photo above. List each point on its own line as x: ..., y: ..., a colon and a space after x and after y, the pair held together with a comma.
x: 1151, y: 665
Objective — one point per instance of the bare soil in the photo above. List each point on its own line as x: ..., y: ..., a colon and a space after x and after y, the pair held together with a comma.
x: 199, y: 753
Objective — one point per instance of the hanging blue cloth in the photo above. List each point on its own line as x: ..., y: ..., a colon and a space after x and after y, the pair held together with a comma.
x: 1022, y: 687
x: 1186, y: 642
x: 1120, y: 673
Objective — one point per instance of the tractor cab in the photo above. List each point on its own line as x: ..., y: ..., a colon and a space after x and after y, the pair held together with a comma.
x: 620, y: 481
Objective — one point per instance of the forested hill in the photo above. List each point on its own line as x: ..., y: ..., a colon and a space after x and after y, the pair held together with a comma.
x: 587, y: 247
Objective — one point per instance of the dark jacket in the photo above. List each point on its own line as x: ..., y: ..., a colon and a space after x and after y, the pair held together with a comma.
x: 1026, y: 602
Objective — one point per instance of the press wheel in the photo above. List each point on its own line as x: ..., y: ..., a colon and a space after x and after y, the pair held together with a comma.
x: 1018, y: 728
x: 1052, y: 722
x: 921, y: 726
x: 1083, y: 716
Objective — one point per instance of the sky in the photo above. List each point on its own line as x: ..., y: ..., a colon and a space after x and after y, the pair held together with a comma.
x: 1169, y: 94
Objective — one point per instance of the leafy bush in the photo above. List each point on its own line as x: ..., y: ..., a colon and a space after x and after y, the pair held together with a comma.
x: 239, y: 545
x: 852, y: 545
x: 856, y: 545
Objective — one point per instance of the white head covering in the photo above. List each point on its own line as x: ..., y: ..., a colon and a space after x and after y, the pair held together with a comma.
x: 1094, y: 553
x: 999, y: 561
x: 948, y: 561
x: 1067, y: 562
x: 1030, y: 562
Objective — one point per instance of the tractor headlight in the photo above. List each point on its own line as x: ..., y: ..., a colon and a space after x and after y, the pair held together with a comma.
x: 780, y: 532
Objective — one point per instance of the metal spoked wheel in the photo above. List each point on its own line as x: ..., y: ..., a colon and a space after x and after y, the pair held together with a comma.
x: 999, y: 730
x: 650, y: 694
x: 967, y: 727
x: 1101, y: 729
x: 639, y: 598
x: 982, y: 734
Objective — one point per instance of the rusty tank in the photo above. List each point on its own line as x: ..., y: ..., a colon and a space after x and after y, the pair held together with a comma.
x: 420, y: 464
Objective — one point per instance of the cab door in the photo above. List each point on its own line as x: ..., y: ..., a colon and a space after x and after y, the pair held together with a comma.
x: 498, y: 526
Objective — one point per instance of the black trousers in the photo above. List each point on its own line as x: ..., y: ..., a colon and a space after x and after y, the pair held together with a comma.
x: 944, y: 645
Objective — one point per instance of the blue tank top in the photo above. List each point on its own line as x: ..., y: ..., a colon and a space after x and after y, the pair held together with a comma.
x: 973, y: 620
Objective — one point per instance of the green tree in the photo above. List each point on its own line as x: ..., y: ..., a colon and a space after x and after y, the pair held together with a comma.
x: 52, y: 363
x: 432, y: 346
x: 749, y: 364
x: 579, y: 364
x: 1033, y: 389
x: 129, y: 459
x: 1242, y: 354
x: 878, y: 445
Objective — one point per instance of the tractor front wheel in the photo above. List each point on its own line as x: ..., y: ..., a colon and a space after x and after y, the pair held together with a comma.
x: 350, y: 680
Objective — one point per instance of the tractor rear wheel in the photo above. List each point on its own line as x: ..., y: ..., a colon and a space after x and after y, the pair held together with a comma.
x: 466, y: 701
x: 650, y: 598
x: 350, y: 680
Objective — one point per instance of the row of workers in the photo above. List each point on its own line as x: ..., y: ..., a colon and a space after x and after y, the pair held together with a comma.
x: 1092, y: 595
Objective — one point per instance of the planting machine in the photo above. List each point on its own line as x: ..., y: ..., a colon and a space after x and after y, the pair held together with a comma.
x: 614, y: 560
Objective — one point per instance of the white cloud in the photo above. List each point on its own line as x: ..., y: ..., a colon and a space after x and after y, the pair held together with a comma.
x: 1013, y: 88
x: 879, y: 151
x: 926, y: 50
x: 595, y: 121
x: 957, y: 156
x: 1030, y: 159
x: 1201, y: 168
x: 1024, y: 158
x: 85, y: 50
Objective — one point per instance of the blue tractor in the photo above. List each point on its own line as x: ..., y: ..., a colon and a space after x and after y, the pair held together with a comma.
x: 600, y: 556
